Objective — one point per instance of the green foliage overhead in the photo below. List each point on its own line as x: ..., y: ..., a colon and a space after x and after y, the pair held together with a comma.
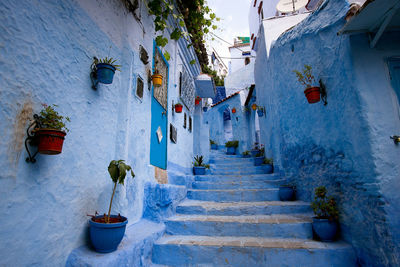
x: 50, y: 118
x: 232, y: 144
x: 324, y: 206
x: 195, y: 15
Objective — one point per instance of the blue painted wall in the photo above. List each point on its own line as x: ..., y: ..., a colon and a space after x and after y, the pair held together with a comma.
x: 46, y: 51
x: 344, y: 145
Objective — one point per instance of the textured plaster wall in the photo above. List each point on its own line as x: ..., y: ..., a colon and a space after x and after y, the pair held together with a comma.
x: 46, y: 49
x: 344, y: 145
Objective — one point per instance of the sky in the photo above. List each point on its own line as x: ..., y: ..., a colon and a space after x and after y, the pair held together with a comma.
x: 234, y: 22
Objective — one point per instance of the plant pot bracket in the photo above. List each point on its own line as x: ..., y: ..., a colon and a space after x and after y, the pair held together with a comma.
x: 93, y: 76
x: 322, y: 90
x: 32, y: 138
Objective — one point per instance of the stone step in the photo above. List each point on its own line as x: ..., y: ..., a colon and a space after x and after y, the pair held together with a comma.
x: 234, y: 164
x: 236, y: 178
x: 239, y: 185
x: 277, y: 225
x: 251, y: 251
x: 242, y: 208
x: 240, y: 171
x: 229, y: 160
x: 268, y: 194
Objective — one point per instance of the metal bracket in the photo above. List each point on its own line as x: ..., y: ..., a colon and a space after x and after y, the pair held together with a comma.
x: 93, y: 75
x: 32, y: 139
x: 396, y: 139
x: 173, y: 107
x: 322, y: 90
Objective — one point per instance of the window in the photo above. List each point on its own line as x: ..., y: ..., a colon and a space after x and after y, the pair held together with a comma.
x: 139, y: 87
x: 184, y: 120
x: 180, y: 84
x: 190, y: 124
x: 247, y: 61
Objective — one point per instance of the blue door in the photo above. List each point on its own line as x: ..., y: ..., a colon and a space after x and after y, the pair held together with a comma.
x: 159, y: 113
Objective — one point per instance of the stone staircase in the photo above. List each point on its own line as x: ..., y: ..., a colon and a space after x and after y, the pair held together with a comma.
x: 233, y: 217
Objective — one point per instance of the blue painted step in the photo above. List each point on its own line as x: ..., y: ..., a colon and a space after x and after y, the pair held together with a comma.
x: 239, y: 184
x: 242, y: 208
x: 268, y: 194
x: 240, y: 170
x: 284, y: 226
x: 250, y: 251
x: 236, y: 177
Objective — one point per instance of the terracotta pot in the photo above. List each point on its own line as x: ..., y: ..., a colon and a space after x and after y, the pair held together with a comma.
x: 197, y: 101
x: 312, y: 94
x: 157, y: 79
x: 234, y: 110
x: 50, y: 141
x: 178, y: 108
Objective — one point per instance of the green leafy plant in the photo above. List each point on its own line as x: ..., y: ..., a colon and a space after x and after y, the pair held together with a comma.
x: 212, y: 142
x: 106, y: 60
x: 51, y: 119
x: 261, y: 152
x: 232, y: 144
x: 324, y: 206
x: 305, y: 77
x: 269, y: 161
x: 117, y: 170
x: 198, y: 162
x: 195, y: 15
x: 246, y: 153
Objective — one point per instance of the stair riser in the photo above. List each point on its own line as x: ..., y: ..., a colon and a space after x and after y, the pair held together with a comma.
x: 206, y: 228
x: 235, y: 196
x: 186, y: 255
x: 239, y: 171
x: 246, y: 169
x: 233, y: 164
x: 235, y: 178
x: 236, y: 211
x: 235, y: 185
x: 229, y: 160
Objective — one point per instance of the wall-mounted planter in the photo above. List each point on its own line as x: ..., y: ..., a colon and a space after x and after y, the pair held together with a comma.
x: 105, y: 237
x: 269, y: 168
x: 205, y: 109
x: 234, y: 110
x: 258, y: 161
x: 50, y: 141
x: 105, y: 73
x: 178, y: 108
x: 313, y: 94
x: 197, y: 100
x: 260, y: 113
x: 231, y: 150
x: 325, y: 229
x: 157, y: 79
x: 198, y: 170
x: 286, y: 193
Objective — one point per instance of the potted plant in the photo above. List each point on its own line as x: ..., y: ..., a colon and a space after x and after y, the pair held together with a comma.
x: 326, y: 213
x: 199, y: 167
x: 246, y: 154
x: 247, y: 110
x: 286, y: 192
x: 233, y: 110
x: 269, y: 165
x: 254, y: 150
x: 51, y: 130
x: 260, y: 111
x: 205, y: 108
x: 178, y: 107
x: 107, y: 231
x: 156, y: 78
x: 197, y: 100
x: 105, y: 69
x: 231, y: 147
x: 307, y: 79
x: 259, y: 159
x: 214, y: 145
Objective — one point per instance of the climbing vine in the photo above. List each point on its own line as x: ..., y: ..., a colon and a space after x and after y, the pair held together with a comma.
x: 195, y: 15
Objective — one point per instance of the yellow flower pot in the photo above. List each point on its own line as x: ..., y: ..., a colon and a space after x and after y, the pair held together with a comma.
x: 157, y: 79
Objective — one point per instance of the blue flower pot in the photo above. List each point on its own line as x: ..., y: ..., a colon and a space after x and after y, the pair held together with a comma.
x: 105, y: 73
x: 214, y: 146
x: 205, y: 109
x: 106, y: 237
x: 325, y: 229
x: 260, y: 113
x: 246, y: 156
x: 286, y: 193
x: 254, y: 152
x: 231, y: 150
x: 269, y: 168
x: 199, y: 170
x: 258, y: 161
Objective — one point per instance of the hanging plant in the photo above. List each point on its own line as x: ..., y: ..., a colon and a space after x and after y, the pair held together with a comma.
x: 307, y: 79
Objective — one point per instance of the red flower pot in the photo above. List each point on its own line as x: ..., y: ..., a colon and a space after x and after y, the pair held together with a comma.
x: 178, y: 108
x: 234, y: 110
x: 197, y: 101
x: 312, y: 94
x: 50, y: 141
